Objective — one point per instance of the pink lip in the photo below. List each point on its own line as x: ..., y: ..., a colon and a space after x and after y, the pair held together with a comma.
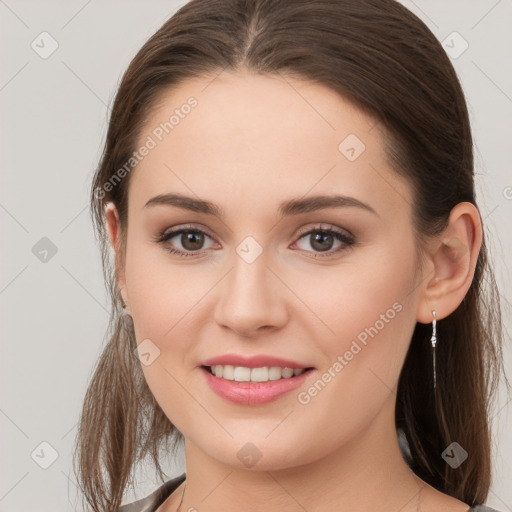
x: 253, y: 393
x: 258, y: 361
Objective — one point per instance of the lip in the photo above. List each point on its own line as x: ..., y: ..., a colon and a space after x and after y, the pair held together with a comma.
x: 257, y: 361
x: 254, y: 393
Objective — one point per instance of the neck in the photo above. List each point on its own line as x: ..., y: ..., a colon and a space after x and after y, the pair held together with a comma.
x: 366, y: 473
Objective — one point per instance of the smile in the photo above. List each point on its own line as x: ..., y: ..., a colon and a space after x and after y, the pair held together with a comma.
x: 245, y: 374
x: 252, y: 386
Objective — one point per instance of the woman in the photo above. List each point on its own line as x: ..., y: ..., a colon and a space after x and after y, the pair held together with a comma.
x: 288, y: 191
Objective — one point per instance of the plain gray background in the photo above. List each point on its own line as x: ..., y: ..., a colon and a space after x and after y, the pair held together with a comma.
x: 53, y: 122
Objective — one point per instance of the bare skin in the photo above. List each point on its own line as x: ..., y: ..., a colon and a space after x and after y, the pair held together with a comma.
x: 251, y: 143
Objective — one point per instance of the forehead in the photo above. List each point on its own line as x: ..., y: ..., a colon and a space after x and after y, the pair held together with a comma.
x: 254, y: 139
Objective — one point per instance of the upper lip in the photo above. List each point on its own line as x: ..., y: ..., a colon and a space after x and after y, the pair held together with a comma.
x: 257, y: 361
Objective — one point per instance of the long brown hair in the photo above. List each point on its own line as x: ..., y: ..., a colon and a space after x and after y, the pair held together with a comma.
x: 385, y: 60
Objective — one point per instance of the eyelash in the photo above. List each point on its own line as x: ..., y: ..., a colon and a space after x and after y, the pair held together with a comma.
x: 347, y: 240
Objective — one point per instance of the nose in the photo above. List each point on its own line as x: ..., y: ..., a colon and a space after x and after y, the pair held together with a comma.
x: 252, y: 298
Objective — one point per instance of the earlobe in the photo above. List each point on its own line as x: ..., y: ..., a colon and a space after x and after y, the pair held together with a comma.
x: 453, y: 255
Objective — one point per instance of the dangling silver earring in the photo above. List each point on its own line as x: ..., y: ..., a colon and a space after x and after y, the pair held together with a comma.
x: 433, y: 340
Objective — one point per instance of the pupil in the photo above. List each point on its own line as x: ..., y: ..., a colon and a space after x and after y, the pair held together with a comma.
x: 320, y: 236
x: 190, y: 238
x: 195, y: 241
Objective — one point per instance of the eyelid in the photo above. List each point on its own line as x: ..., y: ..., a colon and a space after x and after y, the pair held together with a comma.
x: 322, y: 227
x: 175, y: 230
x: 299, y: 233
x: 330, y: 228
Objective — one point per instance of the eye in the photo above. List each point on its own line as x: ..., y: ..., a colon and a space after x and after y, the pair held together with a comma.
x: 322, y: 239
x: 192, y: 240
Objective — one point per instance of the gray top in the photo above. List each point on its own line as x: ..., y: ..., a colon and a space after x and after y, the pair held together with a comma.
x: 155, y: 499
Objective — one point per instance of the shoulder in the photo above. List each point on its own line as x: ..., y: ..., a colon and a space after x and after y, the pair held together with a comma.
x: 151, y: 502
x: 482, y: 508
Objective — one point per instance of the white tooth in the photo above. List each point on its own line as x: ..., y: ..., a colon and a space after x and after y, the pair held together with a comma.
x: 262, y: 374
x: 287, y: 373
x: 259, y: 374
x: 274, y: 373
x: 242, y: 374
x: 228, y: 372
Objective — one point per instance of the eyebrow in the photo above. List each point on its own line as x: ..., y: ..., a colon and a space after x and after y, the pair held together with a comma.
x: 286, y: 208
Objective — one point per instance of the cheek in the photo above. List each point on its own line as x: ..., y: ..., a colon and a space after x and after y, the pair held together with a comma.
x: 161, y: 292
x: 369, y: 308
x: 164, y: 299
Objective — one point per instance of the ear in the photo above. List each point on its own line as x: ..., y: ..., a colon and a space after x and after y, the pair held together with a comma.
x: 453, y: 256
x: 114, y: 234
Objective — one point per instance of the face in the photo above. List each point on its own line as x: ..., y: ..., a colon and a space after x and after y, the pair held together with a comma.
x: 268, y: 274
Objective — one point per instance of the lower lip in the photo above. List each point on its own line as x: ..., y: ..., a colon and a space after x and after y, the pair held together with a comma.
x: 253, y: 393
